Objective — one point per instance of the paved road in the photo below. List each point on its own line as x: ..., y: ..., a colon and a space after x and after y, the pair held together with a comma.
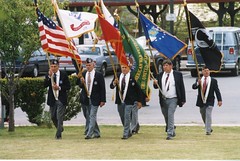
x: 189, y: 114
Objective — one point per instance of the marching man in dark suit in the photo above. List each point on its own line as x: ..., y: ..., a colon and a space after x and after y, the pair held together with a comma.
x: 128, y: 96
x: 207, y: 86
x: 173, y: 94
x: 93, y: 95
x: 58, y: 84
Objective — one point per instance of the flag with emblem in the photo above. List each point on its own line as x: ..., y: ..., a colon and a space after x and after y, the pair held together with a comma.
x: 139, y: 60
x: 209, y: 51
x: 76, y: 23
x: 161, y: 40
x: 53, y: 39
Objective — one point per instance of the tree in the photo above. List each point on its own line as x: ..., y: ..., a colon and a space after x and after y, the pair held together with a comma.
x: 223, y: 8
x: 19, y: 37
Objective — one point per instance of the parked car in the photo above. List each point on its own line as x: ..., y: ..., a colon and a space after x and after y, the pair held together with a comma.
x: 37, y: 64
x: 157, y: 57
x: 227, y: 40
x: 98, y: 53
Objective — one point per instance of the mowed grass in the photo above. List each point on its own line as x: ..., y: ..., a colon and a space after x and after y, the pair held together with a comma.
x: 190, y: 143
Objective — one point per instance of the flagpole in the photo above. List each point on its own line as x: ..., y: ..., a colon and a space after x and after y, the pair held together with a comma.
x: 54, y: 91
x: 147, y: 41
x: 191, y: 39
x: 158, y: 86
x: 110, y: 55
x: 192, y: 46
x: 117, y: 19
x: 52, y: 82
x: 55, y: 7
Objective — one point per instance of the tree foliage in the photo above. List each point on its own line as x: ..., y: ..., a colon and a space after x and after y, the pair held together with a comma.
x: 226, y: 10
x: 19, y: 37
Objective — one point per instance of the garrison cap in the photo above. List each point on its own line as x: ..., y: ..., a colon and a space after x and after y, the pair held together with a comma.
x: 55, y: 61
x: 89, y: 60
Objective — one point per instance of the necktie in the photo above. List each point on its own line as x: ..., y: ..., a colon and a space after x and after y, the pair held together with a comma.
x: 204, y: 85
x: 89, y: 80
x: 55, y: 78
x: 166, y: 81
x: 123, y: 84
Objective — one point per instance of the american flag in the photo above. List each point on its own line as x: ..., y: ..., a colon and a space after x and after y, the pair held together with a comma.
x: 53, y: 39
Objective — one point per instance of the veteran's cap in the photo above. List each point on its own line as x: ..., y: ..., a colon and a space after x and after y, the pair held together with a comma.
x: 89, y: 60
x: 55, y: 61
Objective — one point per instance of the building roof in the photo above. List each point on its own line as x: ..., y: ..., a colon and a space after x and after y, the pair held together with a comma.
x: 140, y: 2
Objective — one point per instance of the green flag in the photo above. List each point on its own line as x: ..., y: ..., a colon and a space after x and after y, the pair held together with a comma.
x: 138, y: 58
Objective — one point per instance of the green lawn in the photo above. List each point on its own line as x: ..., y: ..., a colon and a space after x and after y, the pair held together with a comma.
x: 190, y: 143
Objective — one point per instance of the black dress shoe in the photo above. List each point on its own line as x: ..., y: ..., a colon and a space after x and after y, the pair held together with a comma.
x: 96, y: 137
x: 124, y: 138
x: 88, y: 137
x: 208, y: 133
x: 134, y: 132
x: 58, y: 137
x: 169, y: 138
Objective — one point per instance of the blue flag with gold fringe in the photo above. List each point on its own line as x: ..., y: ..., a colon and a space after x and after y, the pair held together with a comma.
x: 161, y: 40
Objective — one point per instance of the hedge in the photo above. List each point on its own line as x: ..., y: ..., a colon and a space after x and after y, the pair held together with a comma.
x: 30, y: 96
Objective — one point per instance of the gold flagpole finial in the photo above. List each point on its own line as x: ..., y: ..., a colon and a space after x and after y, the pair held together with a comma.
x: 185, y: 2
x: 137, y: 5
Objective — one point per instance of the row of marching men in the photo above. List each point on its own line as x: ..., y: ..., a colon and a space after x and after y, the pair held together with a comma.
x: 128, y: 97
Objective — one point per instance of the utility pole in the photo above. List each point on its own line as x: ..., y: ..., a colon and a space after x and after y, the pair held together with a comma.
x: 171, y: 13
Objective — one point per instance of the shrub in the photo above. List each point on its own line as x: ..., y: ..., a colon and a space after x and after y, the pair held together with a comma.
x: 74, y: 106
x: 31, y: 97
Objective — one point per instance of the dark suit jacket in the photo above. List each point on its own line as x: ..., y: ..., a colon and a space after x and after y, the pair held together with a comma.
x: 64, y: 85
x: 133, y: 94
x: 211, y: 97
x: 180, y: 89
x: 98, y: 93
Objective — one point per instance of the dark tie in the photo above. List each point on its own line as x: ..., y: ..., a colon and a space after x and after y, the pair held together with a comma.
x: 204, y: 85
x: 89, y: 80
x: 166, y: 81
x: 55, y: 78
x: 123, y: 84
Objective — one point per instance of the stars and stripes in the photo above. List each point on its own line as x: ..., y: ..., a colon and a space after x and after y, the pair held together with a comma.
x: 53, y: 39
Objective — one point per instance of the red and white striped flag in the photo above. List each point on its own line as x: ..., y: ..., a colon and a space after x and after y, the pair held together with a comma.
x: 53, y: 39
